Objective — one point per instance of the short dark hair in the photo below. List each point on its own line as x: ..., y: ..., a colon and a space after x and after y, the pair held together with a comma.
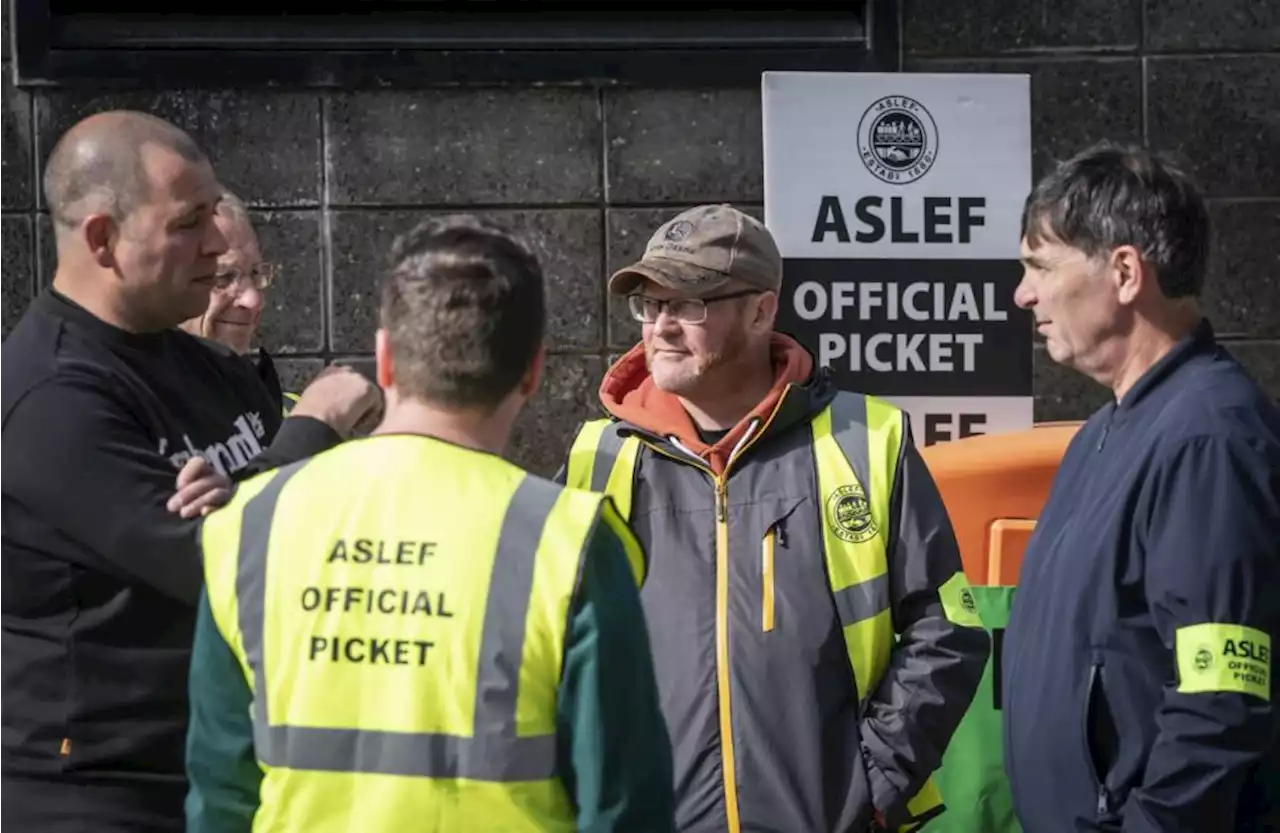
x: 1125, y: 195
x: 464, y: 308
x: 97, y: 165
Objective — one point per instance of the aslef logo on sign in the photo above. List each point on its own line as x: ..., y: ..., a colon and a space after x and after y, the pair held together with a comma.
x: 897, y: 139
x: 900, y: 267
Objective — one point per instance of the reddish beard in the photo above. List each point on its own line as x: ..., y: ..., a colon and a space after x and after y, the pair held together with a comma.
x: 711, y: 366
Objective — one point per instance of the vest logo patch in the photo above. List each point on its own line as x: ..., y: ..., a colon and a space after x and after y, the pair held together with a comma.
x: 849, y: 515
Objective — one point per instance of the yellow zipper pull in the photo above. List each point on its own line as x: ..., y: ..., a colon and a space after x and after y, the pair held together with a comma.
x: 766, y: 579
x: 722, y: 509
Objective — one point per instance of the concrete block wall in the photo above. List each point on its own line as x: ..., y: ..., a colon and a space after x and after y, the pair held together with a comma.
x: 586, y: 174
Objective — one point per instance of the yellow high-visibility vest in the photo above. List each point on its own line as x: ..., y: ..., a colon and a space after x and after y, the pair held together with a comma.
x: 398, y: 606
x: 856, y: 443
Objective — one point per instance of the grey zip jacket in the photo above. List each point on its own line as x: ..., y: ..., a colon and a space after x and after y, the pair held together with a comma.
x: 762, y: 707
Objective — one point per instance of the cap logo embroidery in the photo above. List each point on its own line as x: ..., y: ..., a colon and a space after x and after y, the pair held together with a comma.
x: 678, y: 231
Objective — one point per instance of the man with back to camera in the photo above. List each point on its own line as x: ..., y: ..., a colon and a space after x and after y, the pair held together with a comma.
x: 436, y: 640
x: 1137, y: 659
x: 104, y: 401
x: 806, y: 602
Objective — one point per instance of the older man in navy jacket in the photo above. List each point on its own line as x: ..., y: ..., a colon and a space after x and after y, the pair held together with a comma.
x: 1137, y: 662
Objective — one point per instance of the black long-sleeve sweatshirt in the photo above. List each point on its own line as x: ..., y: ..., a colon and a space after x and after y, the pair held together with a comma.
x: 99, y: 580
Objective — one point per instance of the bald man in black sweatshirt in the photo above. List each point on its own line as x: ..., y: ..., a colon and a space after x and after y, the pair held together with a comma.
x: 104, y: 401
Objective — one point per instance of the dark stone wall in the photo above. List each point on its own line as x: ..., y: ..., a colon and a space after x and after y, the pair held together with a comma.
x: 586, y: 174
x: 1198, y: 79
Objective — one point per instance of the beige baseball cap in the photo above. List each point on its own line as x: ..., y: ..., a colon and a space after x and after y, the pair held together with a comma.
x: 702, y: 249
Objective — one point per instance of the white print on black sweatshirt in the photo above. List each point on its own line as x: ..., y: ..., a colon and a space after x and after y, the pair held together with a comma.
x: 228, y: 456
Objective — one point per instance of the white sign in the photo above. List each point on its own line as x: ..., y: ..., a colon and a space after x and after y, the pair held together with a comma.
x: 896, y: 200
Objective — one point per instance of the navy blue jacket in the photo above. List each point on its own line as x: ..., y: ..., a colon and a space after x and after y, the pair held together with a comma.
x: 1136, y: 663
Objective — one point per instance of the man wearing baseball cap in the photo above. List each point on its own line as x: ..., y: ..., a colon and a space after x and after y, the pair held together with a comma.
x: 814, y: 638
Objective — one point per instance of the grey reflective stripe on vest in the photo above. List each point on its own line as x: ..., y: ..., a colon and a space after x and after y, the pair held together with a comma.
x: 607, y: 451
x: 849, y: 429
x: 493, y: 752
x: 862, y: 601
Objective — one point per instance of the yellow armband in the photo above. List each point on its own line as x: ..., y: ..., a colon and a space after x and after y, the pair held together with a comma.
x: 1213, y: 658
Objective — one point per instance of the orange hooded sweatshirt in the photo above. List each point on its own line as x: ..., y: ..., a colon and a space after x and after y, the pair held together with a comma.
x: 628, y: 393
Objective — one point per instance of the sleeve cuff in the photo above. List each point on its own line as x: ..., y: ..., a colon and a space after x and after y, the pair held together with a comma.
x: 299, y: 437
x: 885, y: 797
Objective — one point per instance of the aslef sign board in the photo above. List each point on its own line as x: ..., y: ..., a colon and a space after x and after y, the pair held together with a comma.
x: 896, y: 201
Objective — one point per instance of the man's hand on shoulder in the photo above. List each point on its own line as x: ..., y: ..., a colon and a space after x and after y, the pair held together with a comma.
x: 342, y: 399
x: 201, y: 489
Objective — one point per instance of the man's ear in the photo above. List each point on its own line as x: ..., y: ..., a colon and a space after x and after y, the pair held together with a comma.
x: 766, y: 312
x: 533, y: 376
x: 100, y: 234
x: 1130, y: 274
x: 384, y: 367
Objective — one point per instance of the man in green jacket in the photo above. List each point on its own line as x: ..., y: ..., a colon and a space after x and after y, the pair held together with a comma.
x: 518, y: 694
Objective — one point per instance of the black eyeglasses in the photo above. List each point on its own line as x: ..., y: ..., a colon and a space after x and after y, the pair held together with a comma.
x: 685, y: 310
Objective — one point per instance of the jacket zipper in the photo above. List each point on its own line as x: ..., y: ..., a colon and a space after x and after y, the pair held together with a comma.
x: 766, y: 578
x: 1104, y: 800
x: 728, y: 763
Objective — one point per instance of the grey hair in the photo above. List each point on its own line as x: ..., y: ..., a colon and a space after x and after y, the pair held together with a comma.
x: 234, y: 207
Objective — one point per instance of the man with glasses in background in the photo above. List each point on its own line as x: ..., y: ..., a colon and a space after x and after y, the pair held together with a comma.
x: 813, y: 635
x: 239, y: 294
